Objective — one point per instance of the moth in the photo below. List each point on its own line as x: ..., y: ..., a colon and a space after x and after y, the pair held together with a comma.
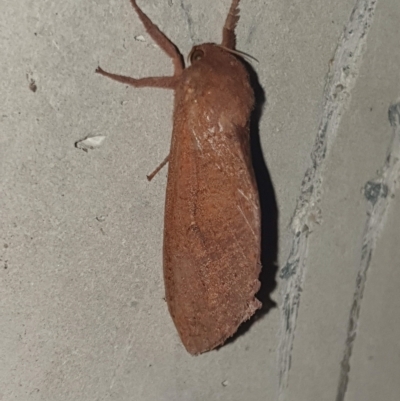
x: 212, y: 227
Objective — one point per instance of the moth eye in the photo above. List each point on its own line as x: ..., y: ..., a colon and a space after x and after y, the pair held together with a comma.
x: 196, y: 55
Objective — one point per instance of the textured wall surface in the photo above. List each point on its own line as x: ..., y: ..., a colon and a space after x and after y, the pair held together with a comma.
x: 82, y: 314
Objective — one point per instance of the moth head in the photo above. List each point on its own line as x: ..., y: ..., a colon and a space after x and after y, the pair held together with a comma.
x: 199, y: 52
x: 206, y: 51
x: 196, y: 54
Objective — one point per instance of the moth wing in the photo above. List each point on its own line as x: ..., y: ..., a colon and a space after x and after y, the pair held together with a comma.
x: 212, y: 234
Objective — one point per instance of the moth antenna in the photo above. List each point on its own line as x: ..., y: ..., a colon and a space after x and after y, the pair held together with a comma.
x: 228, y: 32
x: 238, y: 53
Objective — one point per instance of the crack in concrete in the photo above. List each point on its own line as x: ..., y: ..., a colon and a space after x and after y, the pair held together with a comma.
x: 378, y: 194
x: 189, y: 21
x: 340, y: 81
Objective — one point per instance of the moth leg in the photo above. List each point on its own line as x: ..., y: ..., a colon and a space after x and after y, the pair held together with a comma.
x: 162, y: 41
x: 154, y: 82
x: 228, y: 32
x: 158, y: 168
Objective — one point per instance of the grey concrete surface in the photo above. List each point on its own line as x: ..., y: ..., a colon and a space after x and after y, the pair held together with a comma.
x: 82, y: 315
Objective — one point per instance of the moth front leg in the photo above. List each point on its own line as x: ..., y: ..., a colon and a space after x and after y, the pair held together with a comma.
x: 161, y: 39
x: 153, y: 82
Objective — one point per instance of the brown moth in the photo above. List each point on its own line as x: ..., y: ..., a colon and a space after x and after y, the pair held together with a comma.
x: 212, y: 233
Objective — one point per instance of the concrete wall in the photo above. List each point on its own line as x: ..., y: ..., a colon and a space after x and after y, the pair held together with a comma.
x: 82, y: 315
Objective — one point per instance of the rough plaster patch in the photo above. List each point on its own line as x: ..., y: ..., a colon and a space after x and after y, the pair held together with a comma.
x: 90, y: 142
x: 139, y: 38
x: 340, y: 81
x: 378, y: 194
